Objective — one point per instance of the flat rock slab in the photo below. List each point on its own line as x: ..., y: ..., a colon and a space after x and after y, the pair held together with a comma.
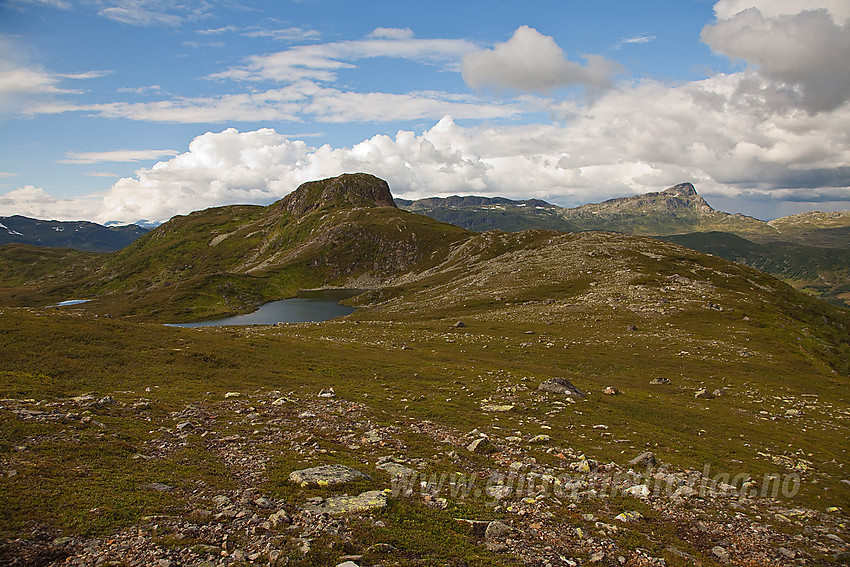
x: 327, y: 475
x: 336, y: 505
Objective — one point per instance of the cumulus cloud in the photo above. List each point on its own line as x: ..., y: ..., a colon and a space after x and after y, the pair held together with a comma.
x: 37, y: 203
x: 533, y: 62
x: 632, y: 141
x: 800, y: 49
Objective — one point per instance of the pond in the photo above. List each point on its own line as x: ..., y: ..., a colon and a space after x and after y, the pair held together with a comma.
x: 306, y: 306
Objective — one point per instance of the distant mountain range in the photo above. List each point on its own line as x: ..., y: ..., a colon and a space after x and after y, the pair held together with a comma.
x: 809, y: 250
x: 79, y: 235
x: 676, y: 210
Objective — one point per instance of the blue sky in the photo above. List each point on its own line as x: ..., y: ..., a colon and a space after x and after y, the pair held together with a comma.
x: 121, y: 110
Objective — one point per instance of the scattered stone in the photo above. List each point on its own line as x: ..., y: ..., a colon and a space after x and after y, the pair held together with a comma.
x: 347, y: 564
x: 684, y: 492
x: 497, y: 530
x: 720, y: 553
x: 497, y: 407
x: 327, y: 393
x: 659, y: 381
x: 560, y: 385
x: 396, y: 470
x: 327, y: 475
x: 499, y: 491
x: 611, y: 391
x: 628, y: 517
x: 279, y: 518
x: 158, y: 486
x: 639, y: 491
x: 704, y: 394
x: 221, y: 501
x: 263, y: 502
x: 336, y: 505
x: 645, y: 459
x: 481, y: 445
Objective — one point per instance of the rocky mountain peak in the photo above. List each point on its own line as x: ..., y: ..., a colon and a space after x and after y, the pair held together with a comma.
x: 347, y: 190
x: 682, y: 190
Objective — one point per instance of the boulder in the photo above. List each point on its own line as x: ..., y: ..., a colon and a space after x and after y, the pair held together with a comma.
x: 659, y: 381
x: 497, y: 530
x: 481, y: 445
x: 560, y: 385
x: 611, y: 391
x: 704, y: 394
x: 645, y: 459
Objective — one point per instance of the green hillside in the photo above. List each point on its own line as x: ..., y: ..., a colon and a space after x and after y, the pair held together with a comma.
x: 123, y: 440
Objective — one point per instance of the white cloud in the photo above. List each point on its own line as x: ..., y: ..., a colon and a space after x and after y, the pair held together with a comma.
x: 320, y: 62
x: 115, y: 156
x: 392, y: 33
x: 298, y: 102
x: 285, y: 34
x: 23, y: 88
x: 639, y: 39
x: 630, y: 141
x: 35, y: 202
x: 533, y: 62
x: 801, y: 49
x: 727, y: 9
x: 101, y: 174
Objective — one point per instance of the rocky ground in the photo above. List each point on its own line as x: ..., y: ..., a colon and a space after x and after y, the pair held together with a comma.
x: 283, y: 510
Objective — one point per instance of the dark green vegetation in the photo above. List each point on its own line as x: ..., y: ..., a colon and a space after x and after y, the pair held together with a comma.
x: 599, y: 309
x: 810, y: 250
x: 79, y: 235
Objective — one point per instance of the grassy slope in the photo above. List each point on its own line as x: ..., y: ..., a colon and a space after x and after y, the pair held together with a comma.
x: 773, y: 348
x: 820, y: 271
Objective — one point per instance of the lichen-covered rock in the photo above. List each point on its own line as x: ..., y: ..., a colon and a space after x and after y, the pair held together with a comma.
x: 327, y: 475
x: 337, y: 505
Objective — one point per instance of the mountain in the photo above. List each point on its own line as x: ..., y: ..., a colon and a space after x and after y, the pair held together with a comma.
x: 485, y: 213
x: 79, y: 235
x: 678, y: 209
x: 708, y: 388
x: 810, y: 250
x: 343, y: 232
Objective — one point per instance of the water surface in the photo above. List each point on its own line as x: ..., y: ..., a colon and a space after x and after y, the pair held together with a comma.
x: 307, y: 306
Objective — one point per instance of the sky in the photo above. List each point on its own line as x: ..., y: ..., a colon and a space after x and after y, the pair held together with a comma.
x: 128, y: 110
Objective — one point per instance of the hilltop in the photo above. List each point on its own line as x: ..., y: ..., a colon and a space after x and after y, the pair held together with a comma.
x: 496, y: 399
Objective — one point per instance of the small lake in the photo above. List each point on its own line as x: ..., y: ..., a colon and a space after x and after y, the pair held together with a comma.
x: 305, y: 307
x: 70, y: 302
